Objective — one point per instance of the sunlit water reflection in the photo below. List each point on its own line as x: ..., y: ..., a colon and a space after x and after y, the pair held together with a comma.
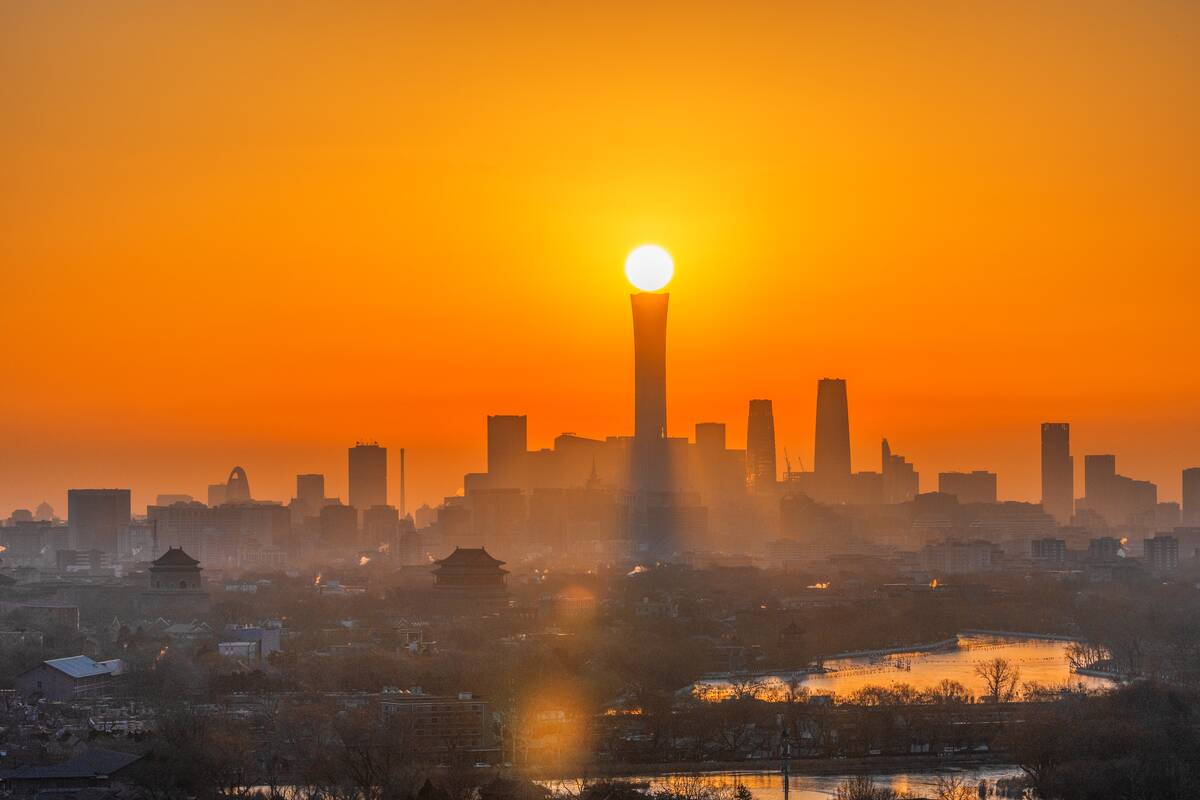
x: 1039, y: 661
x: 769, y: 785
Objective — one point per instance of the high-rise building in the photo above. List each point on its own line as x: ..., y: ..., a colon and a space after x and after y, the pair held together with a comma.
x: 969, y: 487
x: 237, y: 488
x: 901, y: 482
x: 710, y: 436
x: 368, y: 476
x: 96, y: 517
x: 507, y: 445
x: 1161, y: 553
x: 1191, y: 496
x: 310, y: 493
x: 1118, y: 499
x: 831, y: 459
x: 1058, y: 472
x: 650, y: 465
x: 761, y: 470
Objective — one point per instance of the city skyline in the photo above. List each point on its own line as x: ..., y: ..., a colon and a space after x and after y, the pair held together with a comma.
x: 970, y: 280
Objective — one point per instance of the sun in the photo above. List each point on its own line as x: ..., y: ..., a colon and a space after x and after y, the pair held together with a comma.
x: 649, y: 267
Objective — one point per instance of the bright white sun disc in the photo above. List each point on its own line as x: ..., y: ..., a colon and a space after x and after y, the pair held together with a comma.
x: 649, y: 267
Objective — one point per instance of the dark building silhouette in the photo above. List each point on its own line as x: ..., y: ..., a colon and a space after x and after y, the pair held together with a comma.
x: 1049, y: 552
x: 237, y: 488
x: 339, y: 526
x: 381, y: 527
x: 1161, y: 553
x: 368, y: 475
x: 507, y: 445
x: 831, y: 459
x: 176, y: 588
x: 310, y: 493
x: 978, y: 486
x: 649, y: 468
x: 1191, y: 496
x: 1118, y: 499
x: 96, y: 517
x: 761, y: 470
x: 1058, y: 472
x: 901, y: 482
x: 470, y: 579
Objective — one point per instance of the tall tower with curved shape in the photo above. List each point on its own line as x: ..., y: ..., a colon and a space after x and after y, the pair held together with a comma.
x: 649, y: 390
x: 237, y: 488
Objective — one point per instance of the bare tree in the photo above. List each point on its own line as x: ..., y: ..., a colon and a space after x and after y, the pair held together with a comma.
x: 1000, y: 678
x: 953, y: 787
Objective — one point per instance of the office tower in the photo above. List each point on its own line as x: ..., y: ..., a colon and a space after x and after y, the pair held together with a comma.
x: 310, y: 493
x: 95, y: 518
x: 761, y: 470
x: 1099, y: 473
x: 403, y: 486
x: 216, y: 494
x: 368, y: 476
x: 1191, y: 496
x: 901, y: 481
x: 381, y: 527
x: 339, y: 526
x: 710, y: 437
x: 969, y: 487
x: 1118, y: 499
x: 1161, y: 553
x: 507, y: 444
x: 650, y: 465
x: 1099, y: 478
x: 1058, y: 472
x: 831, y: 459
x: 237, y: 488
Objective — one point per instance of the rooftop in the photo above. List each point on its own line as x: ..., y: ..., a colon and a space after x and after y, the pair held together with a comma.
x: 83, y: 666
x: 175, y: 557
x: 470, y: 557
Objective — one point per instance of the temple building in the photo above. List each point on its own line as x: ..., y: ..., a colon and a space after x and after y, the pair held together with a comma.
x: 470, y: 580
x: 175, y: 590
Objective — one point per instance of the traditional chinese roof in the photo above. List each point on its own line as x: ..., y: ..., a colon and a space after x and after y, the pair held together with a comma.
x: 175, y: 557
x: 470, y: 557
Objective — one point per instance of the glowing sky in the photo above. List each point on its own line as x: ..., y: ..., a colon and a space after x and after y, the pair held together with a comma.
x: 251, y: 233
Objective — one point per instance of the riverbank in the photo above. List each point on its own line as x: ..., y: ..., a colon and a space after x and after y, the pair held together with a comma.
x: 872, y: 765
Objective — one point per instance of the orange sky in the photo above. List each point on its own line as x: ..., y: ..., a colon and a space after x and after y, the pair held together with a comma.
x: 251, y: 233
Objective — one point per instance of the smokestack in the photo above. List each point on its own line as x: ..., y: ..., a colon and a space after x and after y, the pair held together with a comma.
x: 402, y: 511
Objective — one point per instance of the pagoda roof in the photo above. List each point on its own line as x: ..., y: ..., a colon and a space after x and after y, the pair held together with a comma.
x: 175, y: 557
x: 470, y: 557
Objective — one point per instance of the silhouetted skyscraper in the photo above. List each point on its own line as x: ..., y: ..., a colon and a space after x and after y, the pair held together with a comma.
x: 310, y: 492
x: 237, y: 488
x: 650, y: 390
x: 901, y: 482
x: 831, y: 459
x: 1058, y: 472
x: 1099, y: 474
x: 368, y: 476
x: 1191, y: 496
x: 710, y: 437
x: 95, y: 517
x: 761, y: 470
x: 507, y: 446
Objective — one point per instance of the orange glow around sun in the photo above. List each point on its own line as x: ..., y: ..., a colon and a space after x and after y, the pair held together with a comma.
x: 232, y: 235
